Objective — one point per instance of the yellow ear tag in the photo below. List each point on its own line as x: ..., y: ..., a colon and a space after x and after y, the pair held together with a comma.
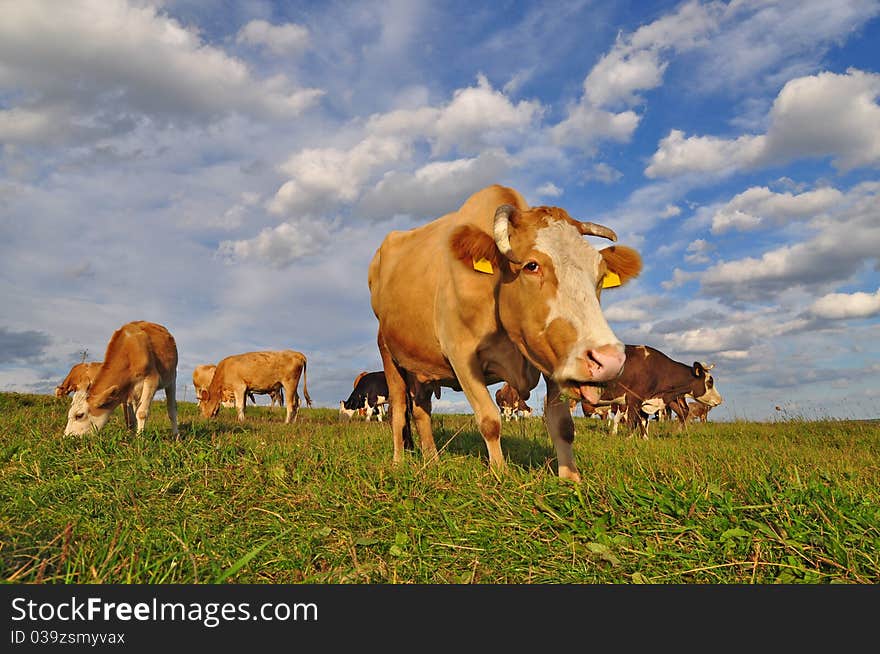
x: 483, y: 265
x: 610, y: 280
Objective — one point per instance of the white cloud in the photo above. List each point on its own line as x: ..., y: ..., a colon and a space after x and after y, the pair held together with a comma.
x: 434, y: 189
x: 322, y: 176
x: 698, y: 251
x: 280, y: 246
x: 758, y: 206
x: 634, y: 63
x: 840, y: 306
x: 706, y: 339
x: 602, y: 172
x: 843, y: 242
x: 844, y: 105
x: 549, y: 190
x: 585, y: 125
x: 95, y: 66
x: 474, y: 119
x: 286, y: 39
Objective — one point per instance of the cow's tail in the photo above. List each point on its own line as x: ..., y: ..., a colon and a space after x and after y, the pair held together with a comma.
x: 306, y: 385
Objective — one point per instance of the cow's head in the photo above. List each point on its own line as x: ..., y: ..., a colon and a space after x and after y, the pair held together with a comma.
x: 703, y: 389
x: 548, y: 299
x: 208, y: 405
x: 86, y: 414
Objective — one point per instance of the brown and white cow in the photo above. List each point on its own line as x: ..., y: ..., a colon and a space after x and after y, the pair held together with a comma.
x: 512, y: 406
x: 496, y: 291
x: 80, y: 377
x: 141, y: 358
x: 256, y: 372
x: 202, y: 376
x: 651, y: 381
x: 697, y: 411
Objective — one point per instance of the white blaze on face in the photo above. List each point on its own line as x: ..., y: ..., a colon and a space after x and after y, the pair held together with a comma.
x: 79, y: 420
x: 576, y: 265
x: 711, y: 397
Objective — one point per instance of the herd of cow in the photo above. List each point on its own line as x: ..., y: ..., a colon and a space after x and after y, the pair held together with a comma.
x: 496, y: 291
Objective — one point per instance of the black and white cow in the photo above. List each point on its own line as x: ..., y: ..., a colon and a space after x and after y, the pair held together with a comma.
x: 369, y: 397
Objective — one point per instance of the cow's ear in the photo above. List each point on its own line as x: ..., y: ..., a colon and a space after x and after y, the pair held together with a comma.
x: 698, y: 369
x: 203, y: 395
x: 103, y: 400
x: 622, y: 261
x: 471, y: 246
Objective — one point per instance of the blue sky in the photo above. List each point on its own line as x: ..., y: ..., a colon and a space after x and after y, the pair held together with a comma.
x: 228, y: 169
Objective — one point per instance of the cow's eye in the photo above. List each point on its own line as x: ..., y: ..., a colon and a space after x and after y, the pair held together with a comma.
x: 531, y: 266
x: 79, y: 416
x: 709, y: 382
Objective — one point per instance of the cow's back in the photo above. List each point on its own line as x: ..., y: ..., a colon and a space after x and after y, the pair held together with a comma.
x: 258, y: 370
x: 137, y: 350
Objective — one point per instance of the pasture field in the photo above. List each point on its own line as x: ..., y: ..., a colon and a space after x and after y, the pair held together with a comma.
x: 319, y: 502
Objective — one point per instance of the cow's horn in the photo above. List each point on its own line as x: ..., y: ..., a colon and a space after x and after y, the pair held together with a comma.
x: 592, y: 229
x: 502, y: 223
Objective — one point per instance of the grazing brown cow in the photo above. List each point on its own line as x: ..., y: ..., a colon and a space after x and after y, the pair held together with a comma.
x: 257, y: 372
x: 698, y: 411
x: 511, y: 404
x: 141, y: 358
x: 496, y: 291
x: 80, y: 377
x: 651, y: 381
x: 202, y: 376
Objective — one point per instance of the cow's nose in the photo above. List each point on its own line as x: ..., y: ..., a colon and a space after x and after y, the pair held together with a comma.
x: 605, y: 363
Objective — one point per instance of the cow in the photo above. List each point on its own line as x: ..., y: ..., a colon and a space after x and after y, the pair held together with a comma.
x: 651, y: 381
x: 203, y: 374
x: 80, y: 377
x: 697, y: 411
x: 496, y: 291
x: 512, y: 406
x: 141, y: 358
x: 369, y: 396
x: 257, y: 372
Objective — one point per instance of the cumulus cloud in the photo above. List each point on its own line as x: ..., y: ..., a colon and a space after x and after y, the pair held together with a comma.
x: 844, y: 105
x: 280, y: 246
x: 548, y: 190
x: 94, y: 67
x: 634, y: 63
x: 698, y: 251
x: 840, y: 306
x: 842, y: 244
x: 286, y: 39
x: 322, y: 176
x: 602, y: 172
x: 758, y: 206
x: 433, y: 189
x: 477, y: 118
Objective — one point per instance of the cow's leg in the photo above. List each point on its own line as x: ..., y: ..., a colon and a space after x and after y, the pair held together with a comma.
x: 421, y: 411
x: 486, y: 412
x: 148, y: 389
x: 560, y: 425
x: 397, y: 398
x: 240, y: 393
x: 171, y: 405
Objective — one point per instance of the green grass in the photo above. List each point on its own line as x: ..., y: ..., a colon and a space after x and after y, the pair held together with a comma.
x: 319, y: 502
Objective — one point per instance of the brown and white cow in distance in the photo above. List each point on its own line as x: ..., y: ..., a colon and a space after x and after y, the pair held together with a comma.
x: 141, y: 358
x: 512, y: 406
x: 496, y: 291
x: 202, y: 376
x: 651, y: 381
x: 697, y: 411
x: 80, y: 377
x: 256, y: 372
